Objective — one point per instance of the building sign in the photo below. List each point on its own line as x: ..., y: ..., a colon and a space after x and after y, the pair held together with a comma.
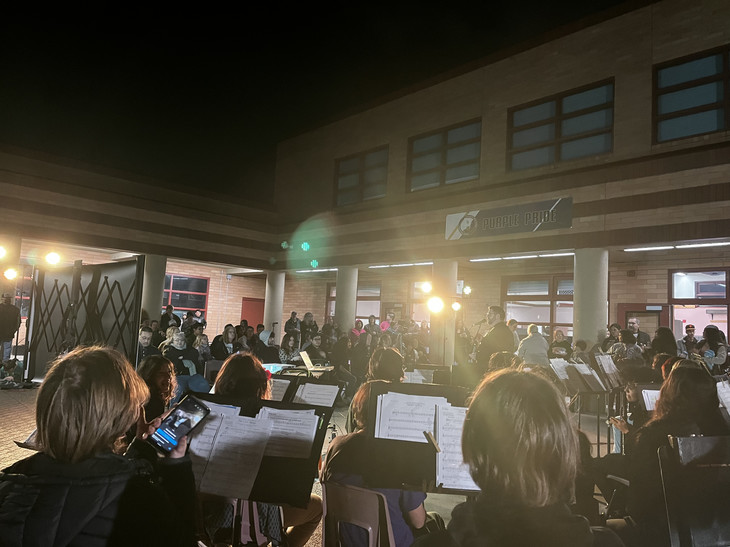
x: 531, y: 217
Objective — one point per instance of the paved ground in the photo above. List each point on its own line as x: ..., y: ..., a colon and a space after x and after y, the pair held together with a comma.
x: 17, y: 406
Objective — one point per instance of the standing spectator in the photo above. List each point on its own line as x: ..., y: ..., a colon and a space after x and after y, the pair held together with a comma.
x: 144, y: 345
x: 687, y: 345
x: 613, y: 331
x: 169, y: 319
x: 559, y: 347
x: 356, y: 331
x: 713, y: 350
x: 643, y: 340
x: 292, y: 325
x: 309, y: 326
x: 663, y: 342
x: 9, y: 325
x: 512, y: 324
x: 533, y: 349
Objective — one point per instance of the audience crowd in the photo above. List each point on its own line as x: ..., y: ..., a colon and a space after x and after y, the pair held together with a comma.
x: 94, y: 481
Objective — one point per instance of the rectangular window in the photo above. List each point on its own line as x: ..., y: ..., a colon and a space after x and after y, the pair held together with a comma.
x: 698, y: 285
x: 361, y: 177
x: 571, y: 125
x: 545, y: 301
x: 186, y: 293
x: 368, y: 301
x: 690, y: 96
x: 448, y: 156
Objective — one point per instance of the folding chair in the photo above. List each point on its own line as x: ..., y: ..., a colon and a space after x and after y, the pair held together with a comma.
x: 696, y: 480
x: 364, y: 508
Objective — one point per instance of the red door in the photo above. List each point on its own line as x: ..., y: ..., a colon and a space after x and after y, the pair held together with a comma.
x: 252, y: 309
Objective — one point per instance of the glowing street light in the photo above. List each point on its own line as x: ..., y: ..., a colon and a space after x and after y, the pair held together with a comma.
x: 10, y: 274
x: 456, y: 306
x: 466, y: 290
x: 53, y: 258
x: 435, y: 304
x: 426, y: 287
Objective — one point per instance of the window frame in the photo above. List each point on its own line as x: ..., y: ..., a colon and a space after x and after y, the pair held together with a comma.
x: 444, y: 148
x: 558, y: 118
x: 696, y: 301
x: 330, y: 299
x: 552, y: 298
x: 168, y: 292
x: 723, y: 77
x: 360, y: 156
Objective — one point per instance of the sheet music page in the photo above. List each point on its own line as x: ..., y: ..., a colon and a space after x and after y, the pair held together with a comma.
x: 203, y: 438
x: 405, y: 417
x: 236, y: 457
x: 588, y: 371
x: 316, y: 394
x: 560, y: 368
x: 650, y: 398
x: 723, y: 393
x: 292, y: 431
x: 419, y: 376
x: 451, y: 471
x: 278, y: 388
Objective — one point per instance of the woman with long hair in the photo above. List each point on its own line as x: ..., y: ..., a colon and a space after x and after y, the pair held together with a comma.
x: 158, y: 373
x: 289, y: 351
x: 77, y: 489
x: 687, y: 405
x: 225, y: 345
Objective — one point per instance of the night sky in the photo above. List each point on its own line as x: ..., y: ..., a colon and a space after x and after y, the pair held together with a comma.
x: 191, y: 98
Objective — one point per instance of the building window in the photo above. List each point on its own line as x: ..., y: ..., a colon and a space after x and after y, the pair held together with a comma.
x: 368, y: 302
x: 446, y: 156
x: 361, y: 177
x: 690, y: 96
x: 572, y: 125
x: 546, y: 301
x: 698, y: 297
x: 186, y: 293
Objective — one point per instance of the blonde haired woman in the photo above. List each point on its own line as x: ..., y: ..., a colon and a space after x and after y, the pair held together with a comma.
x: 78, y: 489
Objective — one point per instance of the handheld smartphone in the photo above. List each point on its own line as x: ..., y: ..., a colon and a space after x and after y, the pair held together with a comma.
x: 186, y: 415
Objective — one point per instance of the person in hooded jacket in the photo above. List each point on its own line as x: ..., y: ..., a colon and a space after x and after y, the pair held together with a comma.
x: 265, y: 349
x: 522, y: 452
x: 77, y: 489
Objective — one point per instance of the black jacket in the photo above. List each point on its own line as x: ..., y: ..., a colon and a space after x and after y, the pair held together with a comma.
x: 104, y: 501
x: 499, y: 338
x: 484, y: 523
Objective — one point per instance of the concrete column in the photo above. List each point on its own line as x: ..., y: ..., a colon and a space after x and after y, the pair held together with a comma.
x: 153, y: 285
x: 346, y: 299
x: 274, y: 303
x: 590, y: 295
x: 443, y: 280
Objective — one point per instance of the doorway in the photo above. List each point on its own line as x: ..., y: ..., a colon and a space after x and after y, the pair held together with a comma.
x: 252, y: 309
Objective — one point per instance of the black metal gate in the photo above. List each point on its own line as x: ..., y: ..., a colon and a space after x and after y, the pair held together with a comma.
x: 84, y: 305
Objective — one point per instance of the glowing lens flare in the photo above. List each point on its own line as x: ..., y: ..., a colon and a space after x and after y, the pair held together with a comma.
x: 435, y: 304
